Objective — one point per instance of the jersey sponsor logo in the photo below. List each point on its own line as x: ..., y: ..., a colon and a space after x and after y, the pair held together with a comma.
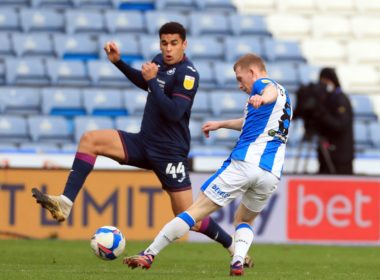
x: 176, y: 171
x: 161, y: 83
x: 188, y: 82
x: 219, y: 192
x: 170, y: 71
x: 192, y: 68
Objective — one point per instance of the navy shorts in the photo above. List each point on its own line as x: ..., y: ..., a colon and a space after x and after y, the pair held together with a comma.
x: 173, y: 172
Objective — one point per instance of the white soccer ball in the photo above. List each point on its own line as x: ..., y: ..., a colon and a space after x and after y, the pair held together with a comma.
x: 108, y: 242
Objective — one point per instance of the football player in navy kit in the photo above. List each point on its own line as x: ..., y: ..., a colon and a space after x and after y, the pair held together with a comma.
x: 163, y: 143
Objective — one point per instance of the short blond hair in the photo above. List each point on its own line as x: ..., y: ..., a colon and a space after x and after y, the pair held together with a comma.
x: 248, y: 60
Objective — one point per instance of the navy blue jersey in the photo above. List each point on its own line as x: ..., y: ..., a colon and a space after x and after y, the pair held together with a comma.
x: 165, y: 124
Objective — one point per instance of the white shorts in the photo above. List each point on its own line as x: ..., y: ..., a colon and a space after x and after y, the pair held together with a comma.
x: 237, y: 178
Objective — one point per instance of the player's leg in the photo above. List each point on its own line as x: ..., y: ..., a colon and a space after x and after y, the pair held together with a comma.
x: 108, y: 143
x: 175, y: 229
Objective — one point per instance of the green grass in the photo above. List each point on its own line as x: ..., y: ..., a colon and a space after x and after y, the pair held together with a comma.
x: 69, y: 260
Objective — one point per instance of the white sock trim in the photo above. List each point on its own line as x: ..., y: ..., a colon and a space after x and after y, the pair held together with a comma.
x: 66, y: 200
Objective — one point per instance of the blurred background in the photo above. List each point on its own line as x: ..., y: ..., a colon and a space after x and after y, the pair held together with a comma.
x: 56, y: 83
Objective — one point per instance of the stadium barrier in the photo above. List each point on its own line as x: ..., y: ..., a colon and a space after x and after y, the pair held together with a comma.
x: 305, y: 209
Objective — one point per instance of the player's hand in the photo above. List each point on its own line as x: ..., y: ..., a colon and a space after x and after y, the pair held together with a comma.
x: 209, y: 126
x: 256, y: 101
x: 149, y: 70
x: 112, y: 51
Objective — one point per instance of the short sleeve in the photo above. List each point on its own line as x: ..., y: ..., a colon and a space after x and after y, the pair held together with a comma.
x: 260, y: 85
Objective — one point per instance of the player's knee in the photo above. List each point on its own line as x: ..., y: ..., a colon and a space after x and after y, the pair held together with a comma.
x: 87, y: 141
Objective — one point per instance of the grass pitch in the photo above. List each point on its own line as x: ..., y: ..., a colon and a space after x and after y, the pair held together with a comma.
x: 71, y: 260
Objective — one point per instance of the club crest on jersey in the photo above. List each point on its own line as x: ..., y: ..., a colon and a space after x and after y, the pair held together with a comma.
x: 170, y: 71
x: 188, y: 82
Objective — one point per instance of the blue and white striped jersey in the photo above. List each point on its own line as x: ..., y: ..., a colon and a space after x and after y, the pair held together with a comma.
x: 265, y: 130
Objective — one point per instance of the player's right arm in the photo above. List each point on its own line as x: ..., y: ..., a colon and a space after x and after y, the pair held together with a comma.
x: 236, y: 124
x: 134, y: 75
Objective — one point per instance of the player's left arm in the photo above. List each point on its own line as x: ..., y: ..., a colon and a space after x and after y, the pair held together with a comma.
x: 183, y: 92
x: 268, y: 96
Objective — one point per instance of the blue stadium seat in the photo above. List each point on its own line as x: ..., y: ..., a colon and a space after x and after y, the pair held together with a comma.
x: 69, y: 148
x: 209, y: 150
x: 104, y: 73
x: 208, y: 48
x: 248, y: 25
x: 125, y: 21
x: 72, y: 72
x: 53, y: 129
x: 374, y: 132
x: 201, y: 105
x: 296, y: 132
x: 361, y: 135
x: 235, y: 47
x: 6, y: 48
x: 32, y: 45
x: 155, y: 19
x: 362, y: 107
x: 93, y: 4
x: 52, y: 3
x: 82, y: 47
x: 107, y: 102
x: 21, y: 101
x: 142, y: 5
x: 279, y: 50
x: 225, y: 75
x: 129, y: 46
x: 62, y: 102
x: 130, y: 124
x: 89, y: 21
x: 8, y: 148
x: 13, y: 129
x: 135, y: 100
x: 228, y: 103
x: 207, y: 74
x: 223, y: 137
x: 196, y: 133
x: 26, y: 71
x: 284, y: 73
x: 15, y: 3
x: 87, y: 123
x: 150, y: 46
x: 39, y: 148
x: 209, y: 23
x: 45, y: 20
x: 308, y: 73
x: 2, y: 73
x: 217, y: 5
x: 176, y: 5
x: 9, y: 20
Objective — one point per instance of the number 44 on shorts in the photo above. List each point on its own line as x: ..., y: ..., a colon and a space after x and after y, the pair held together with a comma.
x: 176, y: 171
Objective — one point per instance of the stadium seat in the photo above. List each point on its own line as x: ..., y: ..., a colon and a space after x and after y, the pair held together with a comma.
x: 362, y: 107
x: 2, y: 73
x: 53, y: 129
x: 259, y: 6
x: 129, y: 46
x: 6, y: 48
x: 248, y: 25
x: 284, y: 73
x: 359, y: 78
x: 196, y: 133
x: 331, y: 26
x: 205, y: 47
x: 219, y: 6
x: 69, y: 148
x: 39, y: 148
x: 361, y: 135
x: 130, y: 124
x: 205, y: 23
x: 304, y: 7
x: 104, y: 73
x: 45, y: 20
x: 32, y: 45
x: 68, y: 72
x: 324, y: 52
x: 225, y: 75
x: 207, y: 74
x: 201, y: 105
x: 374, y: 132
x: 52, y: 3
x: 209, y: 150
x: 13, y: 129
x: 107, y: 102
x: 368, y: 7
x: 125, y: 21
x: 235, y: 47
x: 135, y: 100
x: 289, y: 26
x: 8, y: 147
x: 366, y: 27
x: 26, y: 71
x: 228, y: 103
x: 90, y: 21
x: 223, y: 137
x: 344, y: 7
x: 176, y: 5
x: 14, y: 3
x: 141, y: 5
x: 87, y: 123
x: 9, y: 20
x: 308, y: 73
x: 82, y: 47
x: 364, y: 51
x: 66, y: 102
x: 296, y: 132
x: 150, y: 46
x: 93, y: 4
x: 280, y: 50
x: 20, y: 100
x: 155, y: 19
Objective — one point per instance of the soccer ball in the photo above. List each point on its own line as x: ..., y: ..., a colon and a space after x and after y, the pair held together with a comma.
x: 108, y: 242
